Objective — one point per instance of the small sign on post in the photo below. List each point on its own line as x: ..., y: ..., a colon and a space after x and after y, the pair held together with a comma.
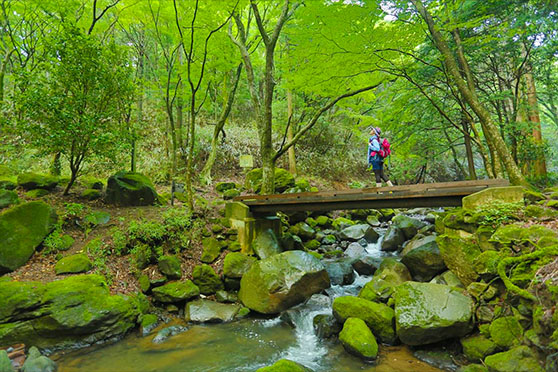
x: 246, y: 161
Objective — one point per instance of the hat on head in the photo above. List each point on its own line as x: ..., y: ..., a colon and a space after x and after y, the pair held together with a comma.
x: 378, y: 130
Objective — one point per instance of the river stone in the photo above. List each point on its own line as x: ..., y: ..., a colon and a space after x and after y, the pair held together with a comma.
x: 22, y: 229
x: 493, y: 195
x: 226, y: 297
x: 77, y: 309
x: 282, y: 281
x: 373, y: 221
x: 358, y: 340
x: 266, y: 244
x: 236, y: 264
x: 366, y: 265
x: 357, y: 232
x: 354, y: 250
x: 74, y: 264
x: 148, y: 323
x: 427, y: 313
x: 7, y: 198
x: 206, y: 279
x: 378, y: 317
x: 448, y: 278
x: 408, y: 225
x: 519, y: 359
x: 211, y: 250
x: 284, y: 365
x: 393, y: 239
x: 506, y: 332
x: 390, y: 274
x: 31, y: 181
x: 206, y: 311
x: 175, y: 292
x: 169, y: 266
x: 341, y: 223
x: 130, y: 189
x: 326, y: 325
x: 477, y: 347
x: 36, y: 362
x: 165, y: 333
x: 459, y: 254
x: 340, y: 273
x: 423, y: 259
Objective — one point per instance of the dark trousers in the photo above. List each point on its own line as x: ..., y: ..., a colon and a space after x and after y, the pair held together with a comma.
x: 380, y: 175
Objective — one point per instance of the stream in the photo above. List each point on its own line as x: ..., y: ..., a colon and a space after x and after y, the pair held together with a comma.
x: 245, y: 345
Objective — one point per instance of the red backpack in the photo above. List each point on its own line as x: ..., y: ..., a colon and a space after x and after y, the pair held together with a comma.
x: 385, y: 148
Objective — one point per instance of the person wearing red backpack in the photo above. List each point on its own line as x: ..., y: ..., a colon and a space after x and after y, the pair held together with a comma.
x: 378, y: 150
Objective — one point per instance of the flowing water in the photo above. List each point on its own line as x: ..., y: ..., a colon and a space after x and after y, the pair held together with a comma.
x: 245, y: 345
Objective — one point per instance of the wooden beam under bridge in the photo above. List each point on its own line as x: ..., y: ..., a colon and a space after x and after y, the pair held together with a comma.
x: 446, y: 194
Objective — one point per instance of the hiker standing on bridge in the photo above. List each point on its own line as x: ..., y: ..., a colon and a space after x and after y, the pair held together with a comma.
x: 378, y: 150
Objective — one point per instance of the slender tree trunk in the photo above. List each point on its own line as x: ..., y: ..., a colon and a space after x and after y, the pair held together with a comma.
x: 469, y: 150
x: 190, y: 159
x: 56, y: 167
x: 467, y: 90
x: 133, y: 157
x: 291, y: 152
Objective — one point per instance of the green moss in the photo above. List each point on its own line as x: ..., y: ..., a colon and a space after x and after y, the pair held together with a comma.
x: 36, y: 193
x: 91, y: 194
x: 519, y: 359
x: 7, y: 198
x: 176, y: 292
x: 389, y: 275
x: 477, y: 347
x: 506, y: 332
x: 30, y: 181
x: 284, y: 365
x: 206, y: 279
x: 473, y: 368
x: 358, y: 340
x: 312, y: 245
x: 74, y: 264
x: 341, y: 222
x: 486, y: 264
x: 8, y: 183
x: 459, y: 254
x: 323, y: 221
x: 130, y: 189
x: 540, y: 212
x: 236, y: 264
x: 211, y: 250
x: 170, y: 267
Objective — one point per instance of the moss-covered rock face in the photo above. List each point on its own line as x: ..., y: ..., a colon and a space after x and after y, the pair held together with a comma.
x: 236, y: 264
x: 410, y: 226
x: 459, y: 255
x: 170, y: 267
x: 358, y: 340
x: 519, y: 359
x: 284, y: 365
x: 281, y: 281
x: 486, y: 197
x: 31, y: 181
x: 206, y: 279
x: 74, y: 264
x: 130, y: 189
x: 22, y: 229
x: 427, y: 313
x: 389, y: 275
x: 477, y: 347
x: 76, y: 310
x: 176, y: 292
x: 378, y: 317
x: 283, y: 180
x: 7, y: 198
x: 206, y: 311
x: 423, y: 259
x: 486, y: 264
x: 506, y: 332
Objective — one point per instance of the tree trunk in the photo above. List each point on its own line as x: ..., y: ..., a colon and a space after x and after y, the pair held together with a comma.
x: 469, y: 150
x: 489, y: 128
x: 291, y: 152
x: 56, y: 167
x: 140, y: 114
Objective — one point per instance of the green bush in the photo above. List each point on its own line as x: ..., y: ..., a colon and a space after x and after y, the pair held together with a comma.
x: 149, y: 232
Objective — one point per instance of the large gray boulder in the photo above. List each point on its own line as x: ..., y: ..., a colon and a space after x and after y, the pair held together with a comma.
x: 206, y: 311
x: 357, y: 232
x: 422, y: 258
x: 130, y: 189
x: 408, y: 225
x: 426, y: 313
x: 340, y: 273
x: 393, y: 239
x: 389, y: 275
x: 266, y: 244
x: 22, y: 229
x: 282, y: 281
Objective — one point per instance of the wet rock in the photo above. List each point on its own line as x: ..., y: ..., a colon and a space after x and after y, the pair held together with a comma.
x: 22, y: 229
x: 423, y: 259
x: 74, y: 264
x: 354, y: 250
x: 506, y: 332
x: 226, y: 297
x: 303, y: 230
x: 169, y: 266
x: 340, y: 273
x: 148, y: 323
x: 378, y: 317
x: 284, y: 365
x: 36, y: 362
x: 236, y: 264
x: 130, y: 189
x: 389, y: 275
x: 358, y: 340
x: 366, y: 265
x: 448, y: 278
x: 282, y: 281
x: 459, y: 254
x: 420, y: 317
x: 519, y: 359
x: 326, y: 326
x: 408, y: 225
x: 477, y: 347
x: 437, y: 357
x: 176, y: 292
x: 206, y: 311
x: 206, y: 279
x: 164, y: 334
x: 393, y: 239
x: 357, y: 232
x: 266, y: 244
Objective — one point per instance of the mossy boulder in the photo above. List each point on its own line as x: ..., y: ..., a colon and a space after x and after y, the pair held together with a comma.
x: 494, y: 195
x: 519, y: 359
x: 230, y: 194
x: 506, y: 332
x: 74, y: 264
x: 284, y: 365
x: 379, y: 317
x: 389, y: 275
x: 303, y: 230
x: 7, y: 198
x: 540, y: 212
x: 206, y: 311
x: 170, y: 267
x: 532, y: 196
x: 36, y: 193
x: 393, y: 239
x: 426, y: 313
x: 76, y: 310
x: 221, y: 187
x: 8, y: 183
x: 281, y: 281
x: 423, y: 258
x: 360, y: 231
x: 486, y: 264
x: 341, y: 222
x: 31, y: 181
x: 91, y: 194
x: 283, y: 180
x: 22, y: 229
x: 206, y: 279
x: 93, y: 183
x: 408, y: 225
x: 130, y: 189
x: 6, y: 171
x: 176, y: 292
x: 459, y: 254
x: 473, y: 368
x: 211, y: 250
x: 506, y: 235
x: 358, y: 340
x: 237, y: 264
x: 477, y: 347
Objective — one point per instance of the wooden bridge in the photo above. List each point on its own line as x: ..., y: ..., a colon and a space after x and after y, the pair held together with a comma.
x: 447, y: 194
